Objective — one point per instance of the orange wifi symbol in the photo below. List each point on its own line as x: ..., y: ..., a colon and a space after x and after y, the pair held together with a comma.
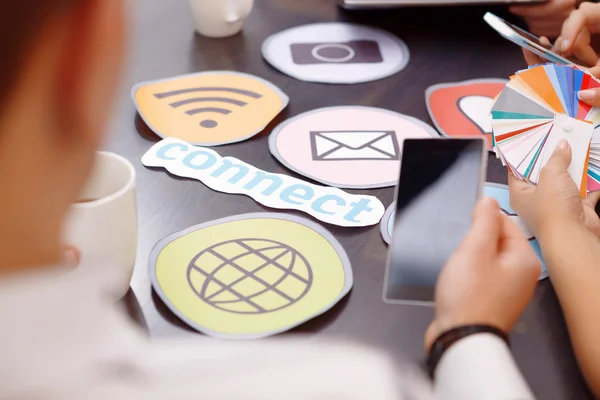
x: 208, y: 123
x: 209, y: 108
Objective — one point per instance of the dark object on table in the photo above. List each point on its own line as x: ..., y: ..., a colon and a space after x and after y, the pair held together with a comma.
x: 355, y: 51
x: 407, y: 3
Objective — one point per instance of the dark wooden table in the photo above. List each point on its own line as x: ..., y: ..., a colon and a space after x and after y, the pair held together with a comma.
x: 446, y: 44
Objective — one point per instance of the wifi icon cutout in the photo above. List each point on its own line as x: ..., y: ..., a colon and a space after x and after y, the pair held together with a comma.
x: 211, y: 108
x: 208, y: 123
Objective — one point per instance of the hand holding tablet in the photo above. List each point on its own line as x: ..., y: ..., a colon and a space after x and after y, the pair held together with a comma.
x: 496, y: 266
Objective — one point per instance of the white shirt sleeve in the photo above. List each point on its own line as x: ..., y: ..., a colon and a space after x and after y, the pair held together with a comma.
x: 270, y: 370
x: 480, y: 367
x: 55, y: 348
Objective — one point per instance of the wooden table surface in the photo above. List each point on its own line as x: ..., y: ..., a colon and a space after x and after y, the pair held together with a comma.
x: 446, y: 45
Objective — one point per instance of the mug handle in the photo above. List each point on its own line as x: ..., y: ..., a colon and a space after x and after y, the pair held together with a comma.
x: 238, y: 10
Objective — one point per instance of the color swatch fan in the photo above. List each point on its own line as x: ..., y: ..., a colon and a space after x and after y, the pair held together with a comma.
x: 538, y: 108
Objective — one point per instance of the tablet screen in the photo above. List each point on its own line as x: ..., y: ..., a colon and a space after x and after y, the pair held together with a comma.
x: 440, y: 182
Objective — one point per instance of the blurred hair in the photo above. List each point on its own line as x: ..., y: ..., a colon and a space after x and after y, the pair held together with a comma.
x: 20, y: 24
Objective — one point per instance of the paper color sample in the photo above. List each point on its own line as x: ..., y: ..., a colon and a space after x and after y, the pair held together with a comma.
x: 336, y: 53
x: 250, y: 276
x: 538, y: 108
x: 209, y: 108
x: 462, y: 109
x: 346, y: 147
x: 231, y: 175
x: 502, y: 196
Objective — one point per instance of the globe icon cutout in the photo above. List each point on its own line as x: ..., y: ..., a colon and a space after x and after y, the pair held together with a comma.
x: 250, y: 276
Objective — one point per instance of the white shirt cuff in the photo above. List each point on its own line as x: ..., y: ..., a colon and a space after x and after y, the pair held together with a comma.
x: 480, y: 367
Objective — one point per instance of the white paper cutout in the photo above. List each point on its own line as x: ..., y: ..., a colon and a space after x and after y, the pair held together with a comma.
x: 290, y: 250
x: 478, y: 109
x: 231, y: 175
x: 335, y: 52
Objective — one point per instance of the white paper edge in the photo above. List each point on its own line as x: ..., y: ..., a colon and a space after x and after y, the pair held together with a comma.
x: 403, y: 47
x: 437, y: 86
x: 383, y: 225
x: 176, y: 168
x: 284, y: 97
x: 161, y: 244
x: 277, y: 130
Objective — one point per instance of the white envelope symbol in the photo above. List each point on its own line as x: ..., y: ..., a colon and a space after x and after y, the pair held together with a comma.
x: 478, y: 109
x: 354, y: 145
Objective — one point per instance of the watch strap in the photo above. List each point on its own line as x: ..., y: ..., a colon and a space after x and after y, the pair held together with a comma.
x: 445, y: 340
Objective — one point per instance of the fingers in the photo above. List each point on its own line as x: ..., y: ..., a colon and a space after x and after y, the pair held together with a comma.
x: 587, y: 14
x: 575, y: 39
x: 585, y: 53
x: 555, y: 47
x: 519, y: 191
x: 582, y: 49
x: 532, y: 59
x: 571, y: 29
x: 545, y: 41
x: 560, y: 159
x: 544, y: 28
x: 595, y: 71
x: 511, y: 232
x: 518, y: 185
x: 592, y: 198
x: 512, y: 238
x: 590, y: 96
x: 516, y: 251
x: 591, y: 10
x: 549, y: 9
x: 486, y: 226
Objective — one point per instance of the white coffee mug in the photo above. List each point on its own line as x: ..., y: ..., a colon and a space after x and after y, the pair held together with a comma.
x: 102, y: 225
x: 220, y: 18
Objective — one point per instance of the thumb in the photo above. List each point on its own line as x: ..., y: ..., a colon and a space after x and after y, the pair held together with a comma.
x: 590, y: 96
x: 486, y: 226
x: 595, y: 71
x: 592, y: 198
x: 530, y: 58
x: 561, y: 158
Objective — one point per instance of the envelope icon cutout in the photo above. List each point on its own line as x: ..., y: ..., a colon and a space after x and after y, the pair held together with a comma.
x: 354, y: 145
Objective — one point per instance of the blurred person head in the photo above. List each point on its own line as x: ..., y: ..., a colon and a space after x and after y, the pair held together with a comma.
x: 61, y: 60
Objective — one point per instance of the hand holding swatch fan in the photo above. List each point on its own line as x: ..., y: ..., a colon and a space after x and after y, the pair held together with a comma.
x: 538, y: 108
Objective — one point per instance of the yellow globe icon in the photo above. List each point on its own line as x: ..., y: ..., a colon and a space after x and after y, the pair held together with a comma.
x: 250, y: 276
x: 263, y: 270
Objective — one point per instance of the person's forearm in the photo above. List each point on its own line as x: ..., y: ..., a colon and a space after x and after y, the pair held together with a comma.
x: 572, y: 255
